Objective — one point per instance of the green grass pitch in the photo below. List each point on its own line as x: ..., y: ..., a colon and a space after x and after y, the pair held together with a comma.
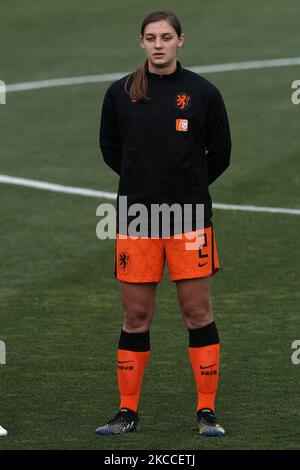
x: 60, y: 311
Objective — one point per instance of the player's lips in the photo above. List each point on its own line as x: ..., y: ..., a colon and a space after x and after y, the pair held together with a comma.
x: 158, y: 54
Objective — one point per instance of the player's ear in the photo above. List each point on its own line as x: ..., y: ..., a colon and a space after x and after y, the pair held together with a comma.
x: 181, y: 40
x: 141, y: 42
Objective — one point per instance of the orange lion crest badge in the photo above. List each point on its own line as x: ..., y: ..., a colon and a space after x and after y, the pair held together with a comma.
x: 124, y: 261
x: 183, y: 100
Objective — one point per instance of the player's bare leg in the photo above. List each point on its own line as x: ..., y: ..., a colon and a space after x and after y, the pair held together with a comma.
x: 138, y: 300
x: 195, y: 301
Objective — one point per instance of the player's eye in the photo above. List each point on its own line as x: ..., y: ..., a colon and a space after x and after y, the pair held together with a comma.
x: 166, y: 38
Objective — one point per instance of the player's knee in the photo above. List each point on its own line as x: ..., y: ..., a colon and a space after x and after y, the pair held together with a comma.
x: 137, y: 319
x: 197, y: 317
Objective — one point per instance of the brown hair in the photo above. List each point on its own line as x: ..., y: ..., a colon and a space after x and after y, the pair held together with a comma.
x: 138, y: 88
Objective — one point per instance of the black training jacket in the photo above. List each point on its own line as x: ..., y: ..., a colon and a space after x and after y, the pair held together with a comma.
x: 171, y: 149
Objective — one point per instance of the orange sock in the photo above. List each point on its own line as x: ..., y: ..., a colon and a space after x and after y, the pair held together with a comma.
x: 205, y: 364
x: 131, y: 366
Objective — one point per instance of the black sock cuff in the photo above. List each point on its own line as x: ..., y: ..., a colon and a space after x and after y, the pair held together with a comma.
x: 205, y: 336
x: 139, y: 342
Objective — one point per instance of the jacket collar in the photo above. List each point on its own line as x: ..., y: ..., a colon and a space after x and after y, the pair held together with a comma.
x: 169, y: 76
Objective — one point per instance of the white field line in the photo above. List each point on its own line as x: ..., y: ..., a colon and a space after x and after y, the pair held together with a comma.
x: 67, y: 81
x: 59, y: 188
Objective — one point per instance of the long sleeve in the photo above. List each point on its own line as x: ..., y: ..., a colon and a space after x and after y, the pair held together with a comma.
x: 109, y: 137
x: 217, y: 136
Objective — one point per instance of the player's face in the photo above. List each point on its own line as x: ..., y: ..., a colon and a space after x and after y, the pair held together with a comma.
x: 161, y: 43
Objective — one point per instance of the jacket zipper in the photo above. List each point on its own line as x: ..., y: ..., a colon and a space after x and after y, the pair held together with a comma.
x: 157, y: 148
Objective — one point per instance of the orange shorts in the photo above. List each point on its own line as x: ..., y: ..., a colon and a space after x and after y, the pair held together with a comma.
x: 141, y: 259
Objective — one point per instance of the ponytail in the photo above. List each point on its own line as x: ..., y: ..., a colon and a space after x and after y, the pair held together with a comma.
x: 139, y: 83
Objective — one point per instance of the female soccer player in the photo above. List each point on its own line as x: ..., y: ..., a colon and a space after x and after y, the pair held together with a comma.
x: 164, y: 131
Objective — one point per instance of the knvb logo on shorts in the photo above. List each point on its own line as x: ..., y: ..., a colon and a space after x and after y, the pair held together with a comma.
x: 124, y: 261
x: 165, y: 221
x: 2, y: 92
x: 2, y: 353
